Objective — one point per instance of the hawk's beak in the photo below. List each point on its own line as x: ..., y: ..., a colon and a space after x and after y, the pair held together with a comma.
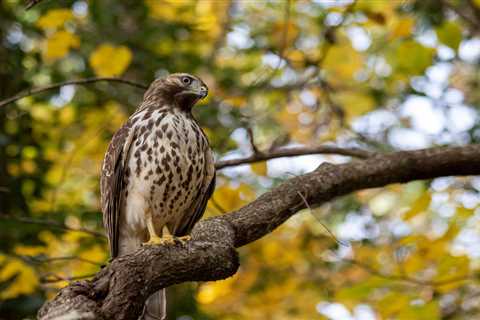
x: 201, y: 92
x: 195, y: 92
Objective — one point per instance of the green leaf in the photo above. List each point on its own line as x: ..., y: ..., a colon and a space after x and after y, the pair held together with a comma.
x: 450, y: 34
x: 428, y: 311
x: 410, y: 57
x: 350, y: 295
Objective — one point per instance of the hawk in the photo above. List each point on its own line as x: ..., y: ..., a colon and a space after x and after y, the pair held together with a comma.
x: 158, y: 173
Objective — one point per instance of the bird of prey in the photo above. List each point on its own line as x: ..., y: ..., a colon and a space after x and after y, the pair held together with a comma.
x: 158, y: 173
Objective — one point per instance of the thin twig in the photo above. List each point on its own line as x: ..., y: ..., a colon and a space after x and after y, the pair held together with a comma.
x: 51, y: 224
x: 293, y: 152
x: 68, y: 163
x: 217, y: 205
x: 38, y: 260
x: 251, y: 139
x: 30, y: 3
x: 57, y: 278
x: 312, y: 79
x: 323, y: 225
x: 465, y: 15
x: 405, y: 278
x: 259, y: 81
x: 225, y: 28
x: 57, y: 85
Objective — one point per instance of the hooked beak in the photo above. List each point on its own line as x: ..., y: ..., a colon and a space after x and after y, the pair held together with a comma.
x: 189, y: 97
x: 203, y: 92
x: 200, y: 92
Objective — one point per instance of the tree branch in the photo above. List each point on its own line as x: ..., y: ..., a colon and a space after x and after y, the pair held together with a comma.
x: 51, y: 224
x: 34, y: 91
x: 31, y: 3
x: 120, y: 289
x: 282, y: 152
x: 408, y: 279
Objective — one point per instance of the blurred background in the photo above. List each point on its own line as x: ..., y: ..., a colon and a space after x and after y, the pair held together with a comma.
x: 378, y: 75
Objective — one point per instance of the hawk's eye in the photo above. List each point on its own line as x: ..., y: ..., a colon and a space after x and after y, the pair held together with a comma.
x: 186, y: 80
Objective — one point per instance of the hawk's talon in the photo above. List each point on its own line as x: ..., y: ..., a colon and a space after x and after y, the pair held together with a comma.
x: 183, y: 239
x: 155, y: 240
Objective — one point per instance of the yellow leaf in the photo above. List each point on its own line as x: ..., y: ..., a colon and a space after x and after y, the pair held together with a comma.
x: 451, y: 233
x: 342, y: 61
x: 427, y: 311
x: 391, y: 304
x: 419, y: 206
x: 355, y: 103
x: 41, y: 112
x: 476, y: 3
x: 283, y: 35
x: 236, y: 101
x: 59, y: 44
x: 230, y: 198
x: 211, y: 291
x: 351, y: 294
x: 260, y: 168
x: 66, y: 115
x: 25, y: 282
x: 464, y: 213
x: 108, y: 60
x: 95, y: 253
x: 29, y: 250
x: 414, y: 263
x: 296, y: 57
x: 171, y: 10
x: 452, y: 267
x: 403, y: 27
x: 54, y: 18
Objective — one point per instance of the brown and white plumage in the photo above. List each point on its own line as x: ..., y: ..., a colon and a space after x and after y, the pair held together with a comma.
x: 158, y: 172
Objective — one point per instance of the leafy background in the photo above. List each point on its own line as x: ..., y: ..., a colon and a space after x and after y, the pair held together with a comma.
x: 380, y: 75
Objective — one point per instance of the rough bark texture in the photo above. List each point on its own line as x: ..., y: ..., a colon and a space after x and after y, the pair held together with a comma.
x: 119, y: 290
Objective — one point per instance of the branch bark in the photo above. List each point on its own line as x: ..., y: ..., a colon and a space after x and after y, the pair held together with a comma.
x: 34, y: 91
x: 119, y: 290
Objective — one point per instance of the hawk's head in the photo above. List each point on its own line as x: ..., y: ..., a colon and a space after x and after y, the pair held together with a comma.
x: 182, y: 88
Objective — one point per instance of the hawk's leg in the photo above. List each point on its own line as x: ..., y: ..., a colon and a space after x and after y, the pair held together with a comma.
x: 166, y: 238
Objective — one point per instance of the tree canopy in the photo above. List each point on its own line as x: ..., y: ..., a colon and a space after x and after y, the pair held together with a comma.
x: 333, y: 81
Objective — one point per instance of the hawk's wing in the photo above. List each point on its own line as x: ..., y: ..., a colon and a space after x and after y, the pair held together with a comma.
x: 112, y: 183
x: 200, y: 202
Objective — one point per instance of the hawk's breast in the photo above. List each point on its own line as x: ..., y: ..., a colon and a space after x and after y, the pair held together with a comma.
x: 166, y: 168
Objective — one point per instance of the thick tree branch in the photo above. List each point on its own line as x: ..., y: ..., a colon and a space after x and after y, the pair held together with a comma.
x: 34, y: 91
x: 120, y: 289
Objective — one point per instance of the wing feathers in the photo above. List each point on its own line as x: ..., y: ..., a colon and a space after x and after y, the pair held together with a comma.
x: 112, y: 183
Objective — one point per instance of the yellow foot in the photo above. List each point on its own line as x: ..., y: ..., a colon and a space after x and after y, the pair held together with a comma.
x: 154, y: 240
x: 183, y: 239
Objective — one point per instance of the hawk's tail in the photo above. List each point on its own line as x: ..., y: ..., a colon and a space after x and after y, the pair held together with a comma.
x: 155, y: 306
